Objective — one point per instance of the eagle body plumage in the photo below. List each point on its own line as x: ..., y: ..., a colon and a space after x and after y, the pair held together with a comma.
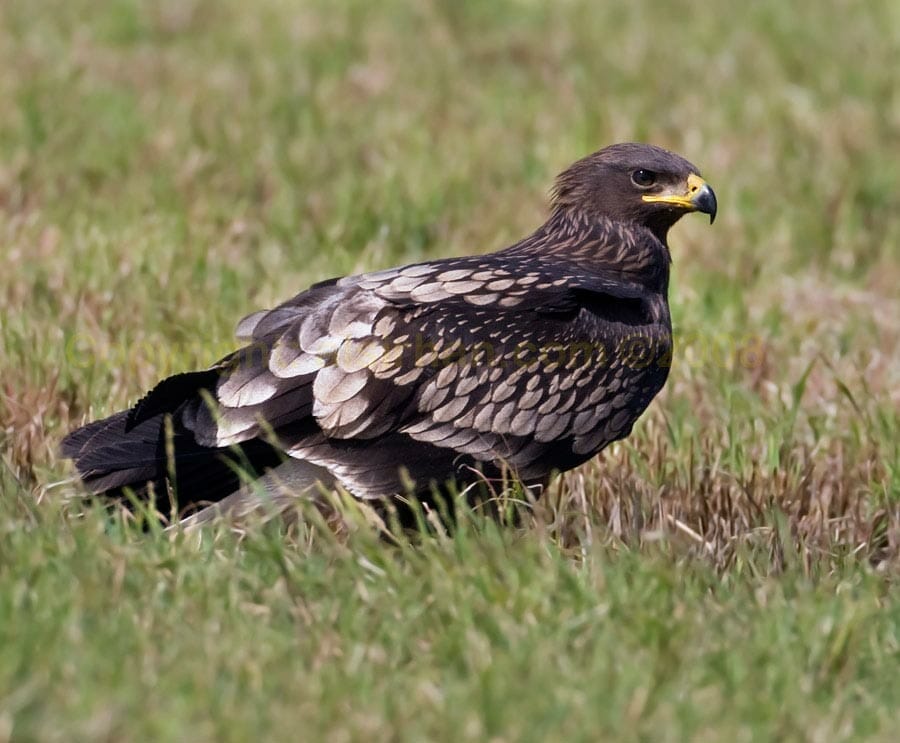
x: 531, y: 359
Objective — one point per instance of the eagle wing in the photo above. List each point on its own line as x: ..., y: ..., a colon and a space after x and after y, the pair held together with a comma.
x: 454, y: 354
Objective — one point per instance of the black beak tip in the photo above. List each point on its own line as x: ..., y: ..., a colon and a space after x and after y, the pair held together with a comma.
x: 706, y: 203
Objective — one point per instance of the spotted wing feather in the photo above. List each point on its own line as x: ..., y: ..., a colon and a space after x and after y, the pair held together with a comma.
x: 452, y: 354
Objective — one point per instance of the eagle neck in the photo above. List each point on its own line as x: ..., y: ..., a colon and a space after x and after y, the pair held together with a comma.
x: 623, y: 251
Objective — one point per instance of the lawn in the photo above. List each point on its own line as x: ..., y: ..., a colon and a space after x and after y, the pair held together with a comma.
x: 729, y: 572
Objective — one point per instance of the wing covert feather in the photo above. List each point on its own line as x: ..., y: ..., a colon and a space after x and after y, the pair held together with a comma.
x: 446, y: 353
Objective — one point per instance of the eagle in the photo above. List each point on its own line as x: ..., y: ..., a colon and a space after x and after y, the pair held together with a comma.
x: 455, y: 372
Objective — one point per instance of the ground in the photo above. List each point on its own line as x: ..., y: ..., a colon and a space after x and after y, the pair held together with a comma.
x: 728, y: 572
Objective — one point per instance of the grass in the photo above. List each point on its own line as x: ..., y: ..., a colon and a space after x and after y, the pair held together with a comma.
x: 728, y: 571
x: 478, y: 637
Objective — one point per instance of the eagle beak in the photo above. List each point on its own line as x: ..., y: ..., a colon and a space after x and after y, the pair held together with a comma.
x: 698, y: 197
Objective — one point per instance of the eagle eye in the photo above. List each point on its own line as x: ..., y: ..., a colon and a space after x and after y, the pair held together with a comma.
x: 643, y: 178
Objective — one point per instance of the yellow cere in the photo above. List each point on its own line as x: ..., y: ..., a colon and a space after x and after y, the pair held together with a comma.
x: 694, y: 185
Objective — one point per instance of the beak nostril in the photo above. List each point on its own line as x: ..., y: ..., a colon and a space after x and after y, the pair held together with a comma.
x: 695, y: 184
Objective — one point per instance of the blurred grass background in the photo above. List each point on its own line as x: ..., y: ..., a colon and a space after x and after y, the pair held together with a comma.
x: 166, y: 167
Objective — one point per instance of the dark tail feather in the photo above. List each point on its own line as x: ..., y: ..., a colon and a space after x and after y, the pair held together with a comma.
x: 108, y: 456
x: 127, y: 451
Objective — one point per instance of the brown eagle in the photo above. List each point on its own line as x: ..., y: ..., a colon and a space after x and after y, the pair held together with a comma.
x: 528, y: 360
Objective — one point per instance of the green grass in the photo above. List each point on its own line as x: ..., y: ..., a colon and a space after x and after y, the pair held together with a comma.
x: 478, y: 637
x: 727, y: 572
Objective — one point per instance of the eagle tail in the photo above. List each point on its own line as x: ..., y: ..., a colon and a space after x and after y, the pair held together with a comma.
x: 109, y: 456
x: 161, y: 462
